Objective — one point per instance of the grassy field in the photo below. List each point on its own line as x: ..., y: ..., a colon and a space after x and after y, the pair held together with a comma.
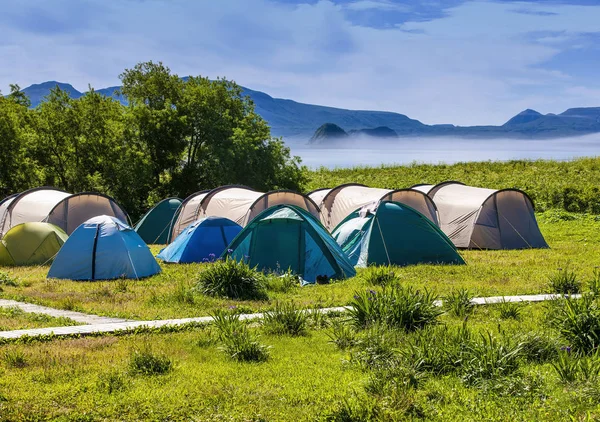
x: 574, y: 241
x: 305, y: 377
x: 569, y: 185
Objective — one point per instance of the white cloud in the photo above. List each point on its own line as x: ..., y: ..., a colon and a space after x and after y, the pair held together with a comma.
x: 474, y: 66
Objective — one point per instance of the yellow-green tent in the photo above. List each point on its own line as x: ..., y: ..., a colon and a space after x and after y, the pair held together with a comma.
x: 31, y: 244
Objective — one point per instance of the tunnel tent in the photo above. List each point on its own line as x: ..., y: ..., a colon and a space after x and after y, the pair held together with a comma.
x: 32, y: 243
x: 76, y: 209
x: 30, y: 206
x: 487, y: 218
x: 104, y: 248
x: 155, y: 226
x: 237, y: 203
x: 390, y: 233
x: 204, y: 240
x: 343, y: 200
x: 288, y: 237
x: 318, y: 195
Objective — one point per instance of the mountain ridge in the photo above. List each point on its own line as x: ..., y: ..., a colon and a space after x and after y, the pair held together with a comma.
x: 295, y: 120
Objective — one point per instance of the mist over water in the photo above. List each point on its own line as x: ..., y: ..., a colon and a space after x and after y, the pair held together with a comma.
x: 370, y: 152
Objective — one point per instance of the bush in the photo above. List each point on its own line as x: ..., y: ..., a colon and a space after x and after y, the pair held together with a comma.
x: 7, y: 280
x: 111, y: 382
x: 594, y: 283
x: 539, y: 348
x: 394, y: 306
x: 233, y: 279
x: 459, y: 303
x: 285, y: 318
x: 510, y: 310
x: 342, y: 336
x: 15, y: 358
x: 238, y: 343
x: 565, y: 282
x: 378, y: 275
x: 145, y: 362
x: 578, y: 321
x: 490, y: 358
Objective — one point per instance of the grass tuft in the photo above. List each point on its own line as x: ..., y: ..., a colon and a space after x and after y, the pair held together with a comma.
x: 285, y: 319
x: 459, y: 303
x: 146, y: 362
x: 564, y: 281
x: 233, y: 279
x: 378, y: 275
x: 238, y: 342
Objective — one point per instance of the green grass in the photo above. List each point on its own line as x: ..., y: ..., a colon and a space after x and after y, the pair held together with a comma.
x: 574, y: 241
x: 306, y: 378
x: 569, y: 185
x: 15, y: 319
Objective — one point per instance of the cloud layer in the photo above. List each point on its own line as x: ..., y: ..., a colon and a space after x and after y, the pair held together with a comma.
x: 444, y: 61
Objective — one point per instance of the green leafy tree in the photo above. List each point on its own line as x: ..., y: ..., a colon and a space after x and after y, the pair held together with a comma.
x: 17, y: 171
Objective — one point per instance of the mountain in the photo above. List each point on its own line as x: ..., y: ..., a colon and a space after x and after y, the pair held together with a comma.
x: 328, y: 132
x: 298, y: 121
x: 378, y: 132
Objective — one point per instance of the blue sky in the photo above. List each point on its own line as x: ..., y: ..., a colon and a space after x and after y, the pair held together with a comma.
x: 439, y: 61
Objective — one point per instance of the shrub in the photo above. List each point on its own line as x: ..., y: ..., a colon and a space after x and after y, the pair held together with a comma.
x: 510, y: 310
x: 285, y: 318
x: 564, y: 281
x: 378, y: 275
x: 15, y: 358
x: 394, y: 306
x: 578, y: 321
x: 7, y: 280
x: 238, y: 342
x: 459, y: 303
x: 282, y: 282
x: 111, y: 382
x: 145, y: 362
x: 539, y: 348
x: 342, y: 336
x: 594, y: 283
x: 490, y: 358
x: 233, y: 279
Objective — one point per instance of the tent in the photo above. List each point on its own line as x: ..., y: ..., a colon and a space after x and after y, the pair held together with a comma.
x: 288, y: 237
x: 74, y: 210
x: 237, y: 203
x: 103, y: 248
x: 155, y: 225
x: 338, y: 203
x: 486, y: 218
x: 31, y: 244
x: 391, y: 233
x: 203, y: 240
x: 29, y: 206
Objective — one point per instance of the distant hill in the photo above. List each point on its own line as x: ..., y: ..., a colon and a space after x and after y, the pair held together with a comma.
x: 293, y: 120
x: 378, y: 132
x: 327, y: 133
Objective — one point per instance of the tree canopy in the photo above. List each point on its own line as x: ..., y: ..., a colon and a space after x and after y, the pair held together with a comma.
x: 176, y: 136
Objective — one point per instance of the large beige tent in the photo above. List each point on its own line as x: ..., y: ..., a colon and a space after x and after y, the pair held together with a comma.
x: 30, y: 206
x: 76, y: 209
x: 237, y: 203
x: 485, y: 218
x: 339, y: 202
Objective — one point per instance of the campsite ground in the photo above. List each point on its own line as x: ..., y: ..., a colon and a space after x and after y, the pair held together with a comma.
x: 514, y: 364
x: 574, y: 241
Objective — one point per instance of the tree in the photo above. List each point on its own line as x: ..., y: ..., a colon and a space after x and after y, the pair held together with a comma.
x: 17, y: 170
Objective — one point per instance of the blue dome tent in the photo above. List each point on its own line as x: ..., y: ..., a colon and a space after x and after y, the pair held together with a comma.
x: 104, y: 248
x: 205, y: 239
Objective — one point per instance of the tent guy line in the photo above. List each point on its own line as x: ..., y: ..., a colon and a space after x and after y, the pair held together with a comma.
x: 109, y: 325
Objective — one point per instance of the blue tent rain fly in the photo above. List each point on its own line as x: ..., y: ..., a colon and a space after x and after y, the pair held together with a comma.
x: 203, y: 240
x: 103, y: 248
x: 390, y: 233
x: 287, y: 237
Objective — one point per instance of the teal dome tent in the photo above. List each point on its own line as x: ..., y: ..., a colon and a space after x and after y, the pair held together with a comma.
x: 390, y: 233
x: 155, y: 226
x: 287, y: 237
